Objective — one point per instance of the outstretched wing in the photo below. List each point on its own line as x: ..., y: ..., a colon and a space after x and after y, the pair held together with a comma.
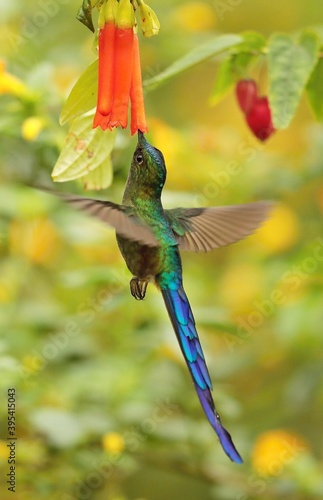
x: 118, y: 216
x: 203, y: 229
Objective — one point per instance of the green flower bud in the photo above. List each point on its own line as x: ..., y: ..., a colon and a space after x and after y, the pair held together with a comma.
x: 148, y: 20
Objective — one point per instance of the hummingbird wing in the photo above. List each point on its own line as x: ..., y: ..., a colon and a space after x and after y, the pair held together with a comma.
x: 120, y: 217
x: 203, y: 229
x: 181, y: 316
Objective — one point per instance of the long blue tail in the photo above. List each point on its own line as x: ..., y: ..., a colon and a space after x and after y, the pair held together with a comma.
x: 181, y: 315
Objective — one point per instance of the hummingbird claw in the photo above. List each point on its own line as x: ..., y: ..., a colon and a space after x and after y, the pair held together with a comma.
x: 138, y: 288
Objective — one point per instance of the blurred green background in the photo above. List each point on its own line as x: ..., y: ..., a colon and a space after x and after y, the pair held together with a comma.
x: 105, y: 405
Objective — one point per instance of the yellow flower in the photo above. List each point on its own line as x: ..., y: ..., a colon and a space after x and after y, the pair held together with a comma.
x: 240, y: 286
x: 9, y: 84
x: 174, y: 150
x: 275, y: 449
x: 195, y: 17
x: 32, y: 364
x: 37, y: 240
x: 280, y: 232
x: 32, y: 127
x: 170, y: 138
x: 113, y: 442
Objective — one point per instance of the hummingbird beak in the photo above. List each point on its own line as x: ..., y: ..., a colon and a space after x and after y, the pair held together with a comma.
x: 141, y: 138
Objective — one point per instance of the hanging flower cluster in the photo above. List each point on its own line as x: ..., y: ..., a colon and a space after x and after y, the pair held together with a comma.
x: 255, y: 108
x: 119, y: 64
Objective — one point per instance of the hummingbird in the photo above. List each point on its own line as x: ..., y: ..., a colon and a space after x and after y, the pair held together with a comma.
x: 150, y: 239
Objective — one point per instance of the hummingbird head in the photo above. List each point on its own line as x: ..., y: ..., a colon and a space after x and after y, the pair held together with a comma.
x: 148, y: 167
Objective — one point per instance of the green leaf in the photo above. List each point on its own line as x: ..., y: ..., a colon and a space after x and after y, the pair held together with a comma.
x: 85, y: 150
x: 196, y: 56
x: 224, y: 81
x: 83, y: 95
x: 101, y: 177
x: 241, y: 63
x: 234, y: 67
x: 314, y: 90
x: 290, y: 66
x: 252, y: 41
x: 251, y: 48
x: 84, y: 15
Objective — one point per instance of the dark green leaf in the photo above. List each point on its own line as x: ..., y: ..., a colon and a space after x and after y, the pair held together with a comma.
x: 84, y: 15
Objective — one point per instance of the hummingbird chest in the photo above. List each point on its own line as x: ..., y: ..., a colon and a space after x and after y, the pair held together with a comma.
x: 142, y: 261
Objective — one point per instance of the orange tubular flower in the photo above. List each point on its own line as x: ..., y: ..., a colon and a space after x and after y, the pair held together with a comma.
x: 122, y: 76
x: 119, y: 69
x: 106, y: 70
x: 138, y: 117
x: 106, y: 64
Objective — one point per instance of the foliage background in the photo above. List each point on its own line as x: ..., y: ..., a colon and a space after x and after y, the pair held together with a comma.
x: 105, y: 406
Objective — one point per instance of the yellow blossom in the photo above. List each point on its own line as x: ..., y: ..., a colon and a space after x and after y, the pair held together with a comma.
x: 32, y: 364
x: 274, y: 450
x: 195, y: 16
x: 37, y: 240
x: 240, y: 285
x: 113, y: 442
x: 280, y: 232
x: 32, y: 127
x: 173, y: 146
x: 9, y: 84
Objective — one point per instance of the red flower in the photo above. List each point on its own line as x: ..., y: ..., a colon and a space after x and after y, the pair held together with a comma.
x: 119, y: 70
x: 247, y: 92
x: 256, y: 109
x: 259, y: 119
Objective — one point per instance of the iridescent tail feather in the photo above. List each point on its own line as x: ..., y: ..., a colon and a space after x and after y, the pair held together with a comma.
x: 181, y: 315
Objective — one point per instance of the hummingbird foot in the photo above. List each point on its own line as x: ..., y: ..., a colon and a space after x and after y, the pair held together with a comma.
x: 138, y: 288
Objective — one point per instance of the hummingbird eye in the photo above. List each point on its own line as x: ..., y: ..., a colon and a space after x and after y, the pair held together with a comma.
x: 139, y: 159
